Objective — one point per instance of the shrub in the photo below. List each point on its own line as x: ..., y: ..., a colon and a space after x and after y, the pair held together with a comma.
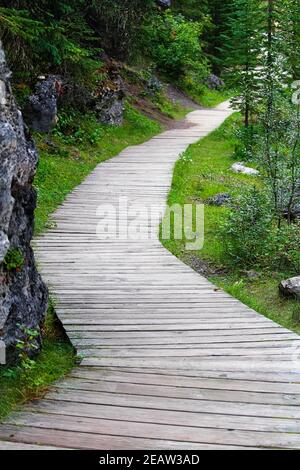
x: 248, y: 228
x: 286, y: 247
x: 14, y: 260
x: 252, y: 235
x: 174, y: 45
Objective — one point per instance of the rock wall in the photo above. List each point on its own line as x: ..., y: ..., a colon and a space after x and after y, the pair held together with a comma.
x: 23, y: 295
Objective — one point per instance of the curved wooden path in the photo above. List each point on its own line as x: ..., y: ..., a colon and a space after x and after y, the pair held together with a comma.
x: 170, y: 362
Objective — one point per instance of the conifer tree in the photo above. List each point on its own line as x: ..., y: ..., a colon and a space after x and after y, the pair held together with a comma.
x: 241, y: 53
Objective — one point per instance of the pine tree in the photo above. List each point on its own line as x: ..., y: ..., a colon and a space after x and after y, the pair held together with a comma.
x: 241, y: 53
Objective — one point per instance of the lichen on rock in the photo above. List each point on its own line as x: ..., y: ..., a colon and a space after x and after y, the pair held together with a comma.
x: 23, y: 295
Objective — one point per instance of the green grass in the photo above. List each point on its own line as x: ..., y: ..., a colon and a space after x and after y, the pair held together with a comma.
x: 203, y: 171
x: 262, y: 295
x: 211, y: 98
x: 76, y: 150
x: 57, y: 358
x: 206, y: 97
x: 173, y: 110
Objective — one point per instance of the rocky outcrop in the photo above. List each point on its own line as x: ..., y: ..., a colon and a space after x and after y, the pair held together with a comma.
x: 109, y: 100
x: 214, y: 82
x: 40, y: 110
x: 106, y: 99
x: 290, y: 287
x: 23, y: 296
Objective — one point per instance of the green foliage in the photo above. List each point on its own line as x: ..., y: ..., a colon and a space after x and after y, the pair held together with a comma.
x: 296, y: 314
x: 247, y: 230
x: 173, y: 43
x: 195, y: 10
x: 26, y: 346
x: 285, y: 249
x: 203, y: 95
x: 241, y: 52
x: 29, y: 379
x: 14, y: 260
x: 66, y: 37
x: 33, y: 44
x: 119, y: 22
x: 262, y: 296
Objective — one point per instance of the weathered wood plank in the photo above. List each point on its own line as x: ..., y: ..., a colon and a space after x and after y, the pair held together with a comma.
x: 162, y: 432
x: 144, y: 415
x: 181, y: 392
x: 176, y: 404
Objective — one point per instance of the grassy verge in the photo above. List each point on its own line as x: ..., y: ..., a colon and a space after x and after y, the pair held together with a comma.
x: 19, y: 385
x: 211, y: 98
x: 173, y: 110
x: 202, y: 172
x: 206, y: 97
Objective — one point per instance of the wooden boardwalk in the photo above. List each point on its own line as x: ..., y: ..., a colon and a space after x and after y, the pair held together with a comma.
x: 169, y: 361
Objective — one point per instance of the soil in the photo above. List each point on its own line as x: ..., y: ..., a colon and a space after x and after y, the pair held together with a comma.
x: 174, y: 94
x: 204, y: 268
x: 147, y: 107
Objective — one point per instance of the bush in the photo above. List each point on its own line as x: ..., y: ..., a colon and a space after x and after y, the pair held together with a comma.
x: 246, y: 142
x: 173, y: 43
x: 286, y: 243
x: 252, y: 235
x: 14, y: 260
x: 248, y: 228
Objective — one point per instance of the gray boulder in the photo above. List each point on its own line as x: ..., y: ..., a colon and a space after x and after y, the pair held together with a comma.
x: 109, y: 104
x: 164, y: 3
x: 290, y: 287
x: 220, y: 199
x: 154, y: 85
x: 214, y: 82
x: 40, y: 110
x: 23, y: 296
x: 241, y: 168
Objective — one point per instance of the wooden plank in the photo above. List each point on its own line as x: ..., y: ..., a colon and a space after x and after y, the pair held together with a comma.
x: 162, y: 432
x: 181, y: 392
x: 176, y: 404
x: 142, y: 415
x: 89, y: 441
x: 12, y: 446
x: 269, y: 377
x: 260, y: 364
x: 135, y: 377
